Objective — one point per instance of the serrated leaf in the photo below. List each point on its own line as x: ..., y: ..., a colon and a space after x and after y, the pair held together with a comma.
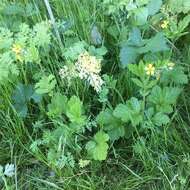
x: 138, y: 82
x: 46, y: 84
x: 131, y: 111
x: 161, y: 119
x: 183, y: 23
x: 137, y: 69
x: 178, y: 6
x: 176, y: 76
x: 164, y: 98
x: 112, y: 125
x: 155, y: 44
x: 122, y: 112
x: 74, y: 110
x: 57, y: 106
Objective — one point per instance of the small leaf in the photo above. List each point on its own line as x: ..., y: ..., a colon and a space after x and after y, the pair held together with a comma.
x: 138, y: 82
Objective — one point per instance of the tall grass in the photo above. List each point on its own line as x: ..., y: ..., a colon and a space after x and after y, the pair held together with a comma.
x: 155, y: 162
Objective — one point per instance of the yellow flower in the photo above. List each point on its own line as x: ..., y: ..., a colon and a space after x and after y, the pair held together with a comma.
x: 17, y: 49
x: 150, y: 69
x: 164, y: 24
x: 171, y: 65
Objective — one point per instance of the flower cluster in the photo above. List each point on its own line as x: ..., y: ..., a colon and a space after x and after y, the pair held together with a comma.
x: 68, y: 73
x: 89, y: 68
x: 17, y: 49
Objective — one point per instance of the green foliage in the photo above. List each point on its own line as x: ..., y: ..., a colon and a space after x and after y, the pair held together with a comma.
x: 176, y: 76
x: 74, y: 111
x: 179, y: 6
x: 98, y: 147
x: 136, y: 46
x: 113, y: 126
x: 57, y: 106
x: 46, y: 84
x: 135, y: 118
x: 164, y: 98
x: 154, y: 6
x: 130, y: 112
x: 161, y: 119
x: 74, y: 51
x: 21, y: 96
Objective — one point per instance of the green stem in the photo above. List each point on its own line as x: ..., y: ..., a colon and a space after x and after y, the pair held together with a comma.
x: 5, y: 182
x: 52, y: 18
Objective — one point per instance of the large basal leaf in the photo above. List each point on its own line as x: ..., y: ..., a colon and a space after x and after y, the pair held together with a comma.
x: 141, y: 15
x: 21, y: 96
x: 135, y: 38
x: 128, y: 55
x: 154, y: 6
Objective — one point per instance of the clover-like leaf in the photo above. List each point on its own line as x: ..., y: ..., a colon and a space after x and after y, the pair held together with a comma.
x: 98, y: 147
